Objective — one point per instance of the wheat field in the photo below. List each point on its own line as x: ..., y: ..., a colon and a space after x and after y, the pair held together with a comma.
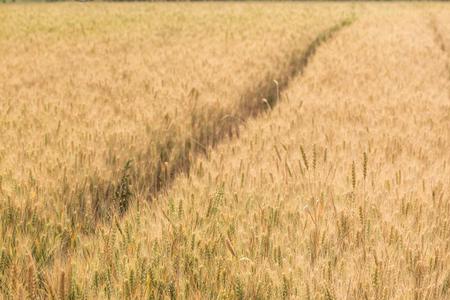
x: 101, y: 85
x: 225, y: 151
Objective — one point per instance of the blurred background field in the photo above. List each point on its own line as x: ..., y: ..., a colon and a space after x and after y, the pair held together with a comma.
x: 87, y: 88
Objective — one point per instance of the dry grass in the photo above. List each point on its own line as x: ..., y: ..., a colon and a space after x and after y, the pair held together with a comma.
x: 339, y: 192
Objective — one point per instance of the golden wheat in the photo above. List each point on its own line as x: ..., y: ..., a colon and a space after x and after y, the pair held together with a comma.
x: 90, y: 89
x: 251, y: 222
x: 340, y: 191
